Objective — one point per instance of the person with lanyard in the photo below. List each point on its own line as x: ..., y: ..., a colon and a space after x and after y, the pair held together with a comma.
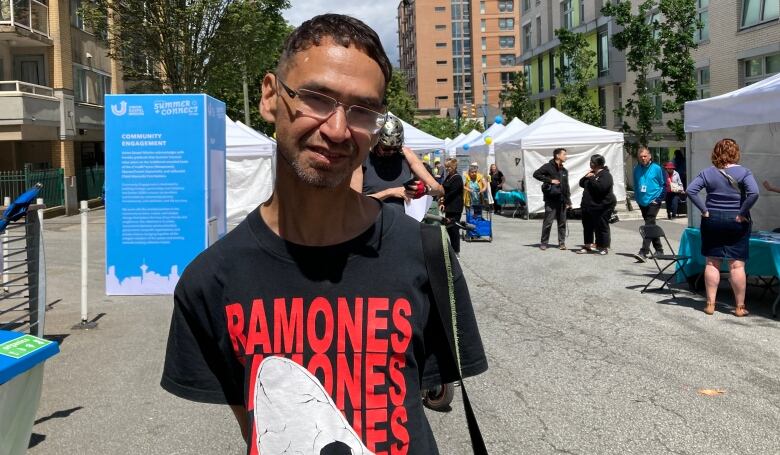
x: 649, y: 185
x: 315, y: 318
x: 392, y: 173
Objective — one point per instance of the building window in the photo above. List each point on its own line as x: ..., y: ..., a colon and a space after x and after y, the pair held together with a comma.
x: 582, y: 12
x: 654, y: 85
x: 551, y: 65
x: 759, y: 68
x: 506, y: 6
x: 484, y: 43
x: 506, y: 42
x: 482, y: 7
x: 618, y: 106
x: 603, y: 52
x: 484, y: 61
x: 75, y: 18
x: 506, y: 78
x: 441, y: 62
x: 538, y: 31
x: 440, y: 27
x: 703, y: 14
x: 440, y: 45
x: 507, y: 59
x: 441, y: 80
x: 526, y: 37
x: 758, y: 11
x: 482, y: 25
x: 541, y: 107
x: 567, y: 14
x: 527, y: 76
x: 506, y: 24
x: 526, y: 5
x: 703, y: 82
x: 439, y: 9
x: 90, y: 86
x: 540, y: 74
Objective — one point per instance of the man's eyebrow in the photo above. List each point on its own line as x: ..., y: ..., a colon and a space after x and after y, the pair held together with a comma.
x: 369, y: 102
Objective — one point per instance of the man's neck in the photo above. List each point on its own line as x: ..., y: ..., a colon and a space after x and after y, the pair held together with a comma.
x: 316, y: 216
x: 558, y: 163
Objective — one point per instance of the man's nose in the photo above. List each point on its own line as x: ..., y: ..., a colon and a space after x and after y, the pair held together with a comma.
x: 335, y: 127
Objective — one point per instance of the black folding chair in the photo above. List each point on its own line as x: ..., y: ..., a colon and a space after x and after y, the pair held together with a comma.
x: 652, y: 232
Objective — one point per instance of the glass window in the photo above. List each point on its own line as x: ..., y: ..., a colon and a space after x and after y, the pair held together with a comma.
x: 703, y: 34
x: 482, y: 25
x: 655, y: 96
x: 757, y: 11
x: 760, y: 68
x: 484, y: 43
x: 540, y: 74
x: 482, y: 7
x: 441, y: 27
x: 526, y: 5
x: 603, y: 52
x: 551, y: 69
x: 506, y: 78
x: 703, y: 82
x: 440, y: 45
x: 484, y: 61
x: 456, y: 11
x: 506, y: 24
x: 538, y: 31
x: 506, y: 42
x: 567, y: 17
x: 441, y: 62
x: 753, y: 67
x: 441, y: 80
x: 773, y: 64
x: 771, y: 9
x: 507, y: 6
x: 526, y: 37
x: 527, y: 75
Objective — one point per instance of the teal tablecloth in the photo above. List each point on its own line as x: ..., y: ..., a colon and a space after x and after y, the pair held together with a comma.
x: 764, y: 259
x: 510, y: 198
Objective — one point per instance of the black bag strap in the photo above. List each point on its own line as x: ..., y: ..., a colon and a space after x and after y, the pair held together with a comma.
x: 439, y: 265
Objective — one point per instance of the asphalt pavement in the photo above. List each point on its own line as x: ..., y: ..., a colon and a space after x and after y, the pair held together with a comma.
x: 580, y: 361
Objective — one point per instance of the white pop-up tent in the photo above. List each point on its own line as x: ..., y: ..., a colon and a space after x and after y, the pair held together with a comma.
x: 534, y: 146
x: 249, y: 168
x: 419, y: 140
x: 486, y: 154
x: 750, y: 116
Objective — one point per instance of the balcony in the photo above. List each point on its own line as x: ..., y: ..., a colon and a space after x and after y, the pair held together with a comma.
x: 27, y: 104
x: 29, y: 15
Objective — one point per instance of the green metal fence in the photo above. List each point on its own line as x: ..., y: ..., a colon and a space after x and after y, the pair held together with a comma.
x: 89, y: 182
x: 14, y: 183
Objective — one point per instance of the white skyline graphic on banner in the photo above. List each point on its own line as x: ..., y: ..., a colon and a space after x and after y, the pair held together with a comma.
x: 148, y: 283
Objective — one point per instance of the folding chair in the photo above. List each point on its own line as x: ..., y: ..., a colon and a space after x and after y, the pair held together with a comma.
x: 652, y: 232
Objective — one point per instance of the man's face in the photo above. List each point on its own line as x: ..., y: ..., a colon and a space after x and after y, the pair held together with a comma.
x: 324, y: 153
x: 562, y: 156
x: 644, y: 157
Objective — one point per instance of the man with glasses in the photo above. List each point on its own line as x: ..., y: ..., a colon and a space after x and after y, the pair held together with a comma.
x: 313, y: 319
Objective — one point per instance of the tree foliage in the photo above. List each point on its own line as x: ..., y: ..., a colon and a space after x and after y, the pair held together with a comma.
x: 516, y: 100
x: 677, y: 66
x: 399, y: 101
x: 575, y: 76
x: 471, y: 124
x: 440, y: 127
x: 638, y: 39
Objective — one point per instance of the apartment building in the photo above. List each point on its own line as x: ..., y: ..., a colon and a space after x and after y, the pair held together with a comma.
x: 458, y: 53
x: 53, y: 77
x: 739, y: 44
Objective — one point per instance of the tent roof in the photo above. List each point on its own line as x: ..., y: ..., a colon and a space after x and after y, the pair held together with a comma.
x: 555, y: 128
x: 419, y: 140
x: 467, y: 139
x: 241, y: 140
x: 494, y: 129
x: 513, y: 128
x: 755, y: 104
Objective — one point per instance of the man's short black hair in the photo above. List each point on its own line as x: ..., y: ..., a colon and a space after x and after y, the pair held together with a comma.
x: 344, y: 30
x: 598, y: 160
x: 558, y: 151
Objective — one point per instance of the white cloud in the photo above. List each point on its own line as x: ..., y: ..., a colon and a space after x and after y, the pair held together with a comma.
x: 377, y: 14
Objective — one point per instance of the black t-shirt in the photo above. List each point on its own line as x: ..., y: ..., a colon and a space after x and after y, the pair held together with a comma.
x: 383, y: 172
x: 495, y: 180
x: 358, y: 316
x: 453, y: 193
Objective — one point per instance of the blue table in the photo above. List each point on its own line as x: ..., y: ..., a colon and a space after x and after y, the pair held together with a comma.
x: 514, y: 198
x: 764, y: 257
x: 21, y: 383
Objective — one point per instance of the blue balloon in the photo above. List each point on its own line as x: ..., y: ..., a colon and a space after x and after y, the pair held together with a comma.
x: 499, y: 119
x: 466, y: 147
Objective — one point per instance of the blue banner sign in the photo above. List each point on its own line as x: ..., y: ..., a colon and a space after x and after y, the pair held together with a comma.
x: 165, y: 187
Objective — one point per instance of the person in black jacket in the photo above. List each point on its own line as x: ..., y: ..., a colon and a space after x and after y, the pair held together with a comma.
x: 557, y: 196
x: 598, y: 202
x: 452, y: 201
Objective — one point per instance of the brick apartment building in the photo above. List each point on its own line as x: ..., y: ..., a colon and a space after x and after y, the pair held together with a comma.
x: 458, y: 53
x: 738, y: 45
x: 53, y: 77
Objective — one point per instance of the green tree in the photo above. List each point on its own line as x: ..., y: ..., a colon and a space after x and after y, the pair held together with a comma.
x: 399, y: 101
x: 575, y: 76
x: 638, y: 39
x: 677, y: 65
x: 438, y: 126
x: 516, y: 100
x: 471, y: 124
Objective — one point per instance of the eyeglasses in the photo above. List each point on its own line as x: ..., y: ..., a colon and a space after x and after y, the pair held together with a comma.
x: 321, y: 107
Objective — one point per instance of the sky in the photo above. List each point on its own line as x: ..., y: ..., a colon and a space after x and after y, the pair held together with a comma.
x: 378, y: 14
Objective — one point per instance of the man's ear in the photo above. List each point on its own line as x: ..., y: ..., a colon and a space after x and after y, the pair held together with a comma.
x: 268, y: 98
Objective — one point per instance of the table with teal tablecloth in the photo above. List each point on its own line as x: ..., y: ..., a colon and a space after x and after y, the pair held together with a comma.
x: 763, y: 260
x: 511, y: 198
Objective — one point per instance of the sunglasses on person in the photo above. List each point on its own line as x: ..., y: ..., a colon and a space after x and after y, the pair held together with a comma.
x: 321, y: 107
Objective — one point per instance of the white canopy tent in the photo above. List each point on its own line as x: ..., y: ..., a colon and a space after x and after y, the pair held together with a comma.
x: 420, y: 141
x: 520, y: 155
x: 249, y: 167
x: 486, y: 154
x: 452, y: 147
x: 750, y: 116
